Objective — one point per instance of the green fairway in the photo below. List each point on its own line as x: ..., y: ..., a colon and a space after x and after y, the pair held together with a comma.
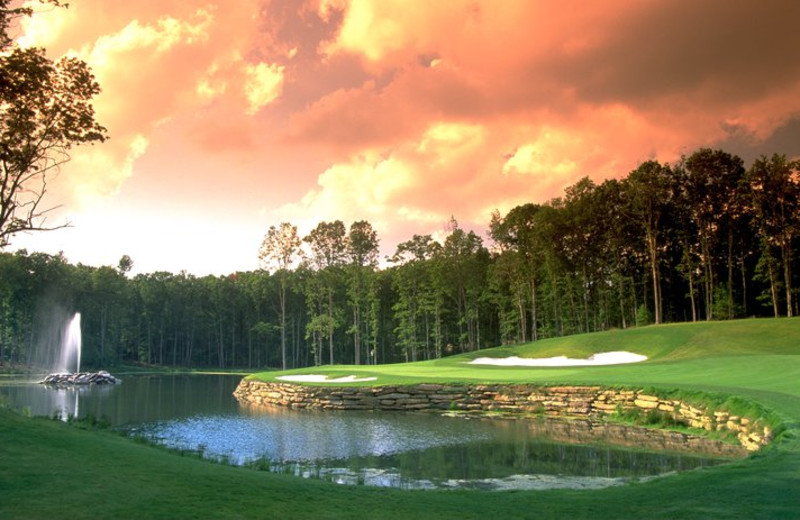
x: 741, y: 357
x: 52, y: 470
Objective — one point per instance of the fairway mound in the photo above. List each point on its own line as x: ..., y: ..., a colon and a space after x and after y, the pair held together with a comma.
x: 603, y: 358
x: 315, y: 378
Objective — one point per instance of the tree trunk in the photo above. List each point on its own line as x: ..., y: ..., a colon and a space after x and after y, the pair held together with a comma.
x: 330, y: 323
x: 586, y: 326
x: 233, y: 339
x: 282, y: 295
x: 730, y: 273
x: 744, y: 285
x: 301, y: 354
x: 175, y: 349
x: 534, y: 317
x: 708, y: 273
x: 190, y: 346
x: 652, y: 247
x: 773, y: 289
x: 787, y: 275
x: 221, y: 346
x: 709, y: 284
x: 522, y: 313
x: 622, y: 303
x: 478, y: 329
x: 439, y: 335
x: 249, y: 346
x: 4, y: 333
x: 356, y: 335
x: 558, y: 313
x: 161, y: 345
x: 691, y: 296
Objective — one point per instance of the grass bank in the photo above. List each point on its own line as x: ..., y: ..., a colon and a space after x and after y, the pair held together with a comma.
x: 53, y: 470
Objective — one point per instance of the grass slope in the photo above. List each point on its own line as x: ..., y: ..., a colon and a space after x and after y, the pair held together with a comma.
x: 48, y: 469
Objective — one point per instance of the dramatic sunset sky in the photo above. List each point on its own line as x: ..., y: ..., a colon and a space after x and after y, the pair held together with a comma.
x: 226, y: 117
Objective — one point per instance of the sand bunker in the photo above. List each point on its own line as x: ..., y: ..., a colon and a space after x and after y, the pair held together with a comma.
x: 603, y: 358
x: 313, y: 378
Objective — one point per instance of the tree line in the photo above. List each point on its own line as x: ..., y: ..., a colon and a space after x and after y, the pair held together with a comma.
x: 703, y: 238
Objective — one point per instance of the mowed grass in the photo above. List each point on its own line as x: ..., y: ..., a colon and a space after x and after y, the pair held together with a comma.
x: 736, y: 355
x: 52, y: 470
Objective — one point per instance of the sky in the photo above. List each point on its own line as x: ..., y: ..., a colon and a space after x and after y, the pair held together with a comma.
x: 226, y: 118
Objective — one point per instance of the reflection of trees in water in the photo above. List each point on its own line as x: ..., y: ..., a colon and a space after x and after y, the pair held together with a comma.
x: 491, y: 460
x: 62, y: 402
x: 540, y: 447
x: 487, y: 460
x: 138, y: 399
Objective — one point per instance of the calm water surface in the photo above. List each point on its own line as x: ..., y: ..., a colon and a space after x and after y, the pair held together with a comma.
x: 409, y: 450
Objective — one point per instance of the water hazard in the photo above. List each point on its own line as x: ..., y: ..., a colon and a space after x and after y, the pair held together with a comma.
x: 405, y: 450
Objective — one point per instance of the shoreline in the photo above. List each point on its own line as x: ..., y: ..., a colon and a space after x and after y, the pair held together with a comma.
x: 591, y: 403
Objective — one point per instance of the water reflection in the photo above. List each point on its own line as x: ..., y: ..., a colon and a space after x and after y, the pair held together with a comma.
x: 139, y: 399
x: 412, y: 450
x: 283, y: 435
x: 61, y: 402
x: 404, y: 450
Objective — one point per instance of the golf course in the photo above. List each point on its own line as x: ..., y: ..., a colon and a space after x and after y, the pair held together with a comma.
x: 78, y: 470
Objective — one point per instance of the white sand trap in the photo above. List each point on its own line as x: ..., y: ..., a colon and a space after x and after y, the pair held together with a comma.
x: 603, y: 358
x: 314, y: 378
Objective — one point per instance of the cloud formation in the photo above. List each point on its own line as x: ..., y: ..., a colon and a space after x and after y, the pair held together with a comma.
x: 239, y: 115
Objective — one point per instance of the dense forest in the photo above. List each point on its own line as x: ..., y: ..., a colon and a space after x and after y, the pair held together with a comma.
x: 703, y: 238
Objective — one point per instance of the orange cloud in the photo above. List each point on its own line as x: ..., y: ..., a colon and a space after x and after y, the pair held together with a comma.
x: 262, y: 85
x: 152, y: 66
x: 405, y: 113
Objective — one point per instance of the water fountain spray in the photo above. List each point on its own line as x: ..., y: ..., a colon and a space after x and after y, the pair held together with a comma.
x: 71, y: 346
x: 70, y: 355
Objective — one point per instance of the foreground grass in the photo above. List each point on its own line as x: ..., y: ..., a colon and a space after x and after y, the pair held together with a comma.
x: 49, y: 470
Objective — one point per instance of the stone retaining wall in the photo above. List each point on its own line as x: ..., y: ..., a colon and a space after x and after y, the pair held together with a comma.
x: 581, y: 402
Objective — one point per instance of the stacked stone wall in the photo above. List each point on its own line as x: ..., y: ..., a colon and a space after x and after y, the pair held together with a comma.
x: 579, y: 402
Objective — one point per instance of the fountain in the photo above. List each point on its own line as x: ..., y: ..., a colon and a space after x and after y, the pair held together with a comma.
x: 70, y: 355
x: 71, y: 345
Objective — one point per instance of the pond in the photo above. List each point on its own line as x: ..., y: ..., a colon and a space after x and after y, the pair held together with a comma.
x: 198, y: 413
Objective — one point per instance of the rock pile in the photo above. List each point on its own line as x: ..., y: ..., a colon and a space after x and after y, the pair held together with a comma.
x: 81, y: 378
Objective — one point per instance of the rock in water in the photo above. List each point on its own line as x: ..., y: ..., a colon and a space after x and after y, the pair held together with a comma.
x: 81, y: 378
